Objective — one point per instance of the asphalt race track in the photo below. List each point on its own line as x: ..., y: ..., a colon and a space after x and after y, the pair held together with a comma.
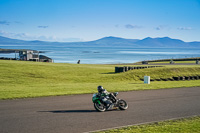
x: 76, y: 114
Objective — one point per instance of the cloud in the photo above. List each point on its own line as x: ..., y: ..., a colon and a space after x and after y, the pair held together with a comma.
x: 4, y: 22
x: 18, y: 22
x: 162, y: 27
x: 71, y: 40
x: 43, y: 27
x: 116, y: 26
x: 14, y: 35
x: 184, y: 28
x: 28, y: 37
x: 159, y: 28
x: 129, y: 26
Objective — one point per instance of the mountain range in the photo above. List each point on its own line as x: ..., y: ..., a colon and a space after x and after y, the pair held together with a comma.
x: 109, y: 41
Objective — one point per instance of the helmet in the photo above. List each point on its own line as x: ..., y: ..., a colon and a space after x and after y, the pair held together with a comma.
x: 100, y: 89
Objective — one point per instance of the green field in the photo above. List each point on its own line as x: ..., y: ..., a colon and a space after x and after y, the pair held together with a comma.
x: 187, y: 125
x: 22, y: 79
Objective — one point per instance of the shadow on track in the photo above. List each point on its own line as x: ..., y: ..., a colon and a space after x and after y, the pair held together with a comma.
x: 70, y: 111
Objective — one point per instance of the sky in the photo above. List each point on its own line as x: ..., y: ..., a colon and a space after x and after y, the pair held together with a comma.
x: 87, y: 20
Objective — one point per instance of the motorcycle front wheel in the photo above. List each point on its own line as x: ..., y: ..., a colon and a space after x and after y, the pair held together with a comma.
x: 122, y: 104
x: 99, y: 107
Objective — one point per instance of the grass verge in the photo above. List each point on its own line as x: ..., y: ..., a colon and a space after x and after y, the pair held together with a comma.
x: 20, y: 79
x: 186, y: 125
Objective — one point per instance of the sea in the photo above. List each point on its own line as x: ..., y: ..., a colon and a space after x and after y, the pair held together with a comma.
x: 105, y: 54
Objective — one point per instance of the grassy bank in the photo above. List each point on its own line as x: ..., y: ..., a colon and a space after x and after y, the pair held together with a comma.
x: 176, y: 62
x: 21, y: 79
x: 187, y: 125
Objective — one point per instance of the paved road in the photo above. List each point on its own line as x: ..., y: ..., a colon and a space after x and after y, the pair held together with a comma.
x: 74, y: 114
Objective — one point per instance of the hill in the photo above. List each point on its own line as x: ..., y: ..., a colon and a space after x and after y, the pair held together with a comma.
x: 109, y: 41
x: 162, y: 42
x: 114, y: 41
x: 5, y: 40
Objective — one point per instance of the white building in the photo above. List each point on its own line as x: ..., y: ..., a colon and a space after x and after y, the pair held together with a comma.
x: 29, y: 55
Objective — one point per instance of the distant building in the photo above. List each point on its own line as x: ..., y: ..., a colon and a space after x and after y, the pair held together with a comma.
x: 33, y: 55
x: 29, y: 55
x: 43, y: 58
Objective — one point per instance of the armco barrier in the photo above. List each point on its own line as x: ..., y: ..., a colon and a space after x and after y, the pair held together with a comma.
x: 127, y: 68
x: 181, y: 78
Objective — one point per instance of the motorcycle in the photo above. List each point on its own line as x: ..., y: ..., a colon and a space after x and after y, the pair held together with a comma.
x: 100, y: 106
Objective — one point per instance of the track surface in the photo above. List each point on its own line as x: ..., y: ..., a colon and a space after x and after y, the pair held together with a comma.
x: 74, y: 114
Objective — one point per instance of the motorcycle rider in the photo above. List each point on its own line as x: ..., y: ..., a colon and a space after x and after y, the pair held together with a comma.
x: 104, y: 96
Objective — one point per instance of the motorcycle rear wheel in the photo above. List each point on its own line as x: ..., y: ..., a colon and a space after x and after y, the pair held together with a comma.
x: 122, y: 104
x: 99, y: 107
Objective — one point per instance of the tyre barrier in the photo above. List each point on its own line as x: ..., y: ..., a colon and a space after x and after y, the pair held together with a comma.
x: 127, y: 68
x: 182, y: 78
